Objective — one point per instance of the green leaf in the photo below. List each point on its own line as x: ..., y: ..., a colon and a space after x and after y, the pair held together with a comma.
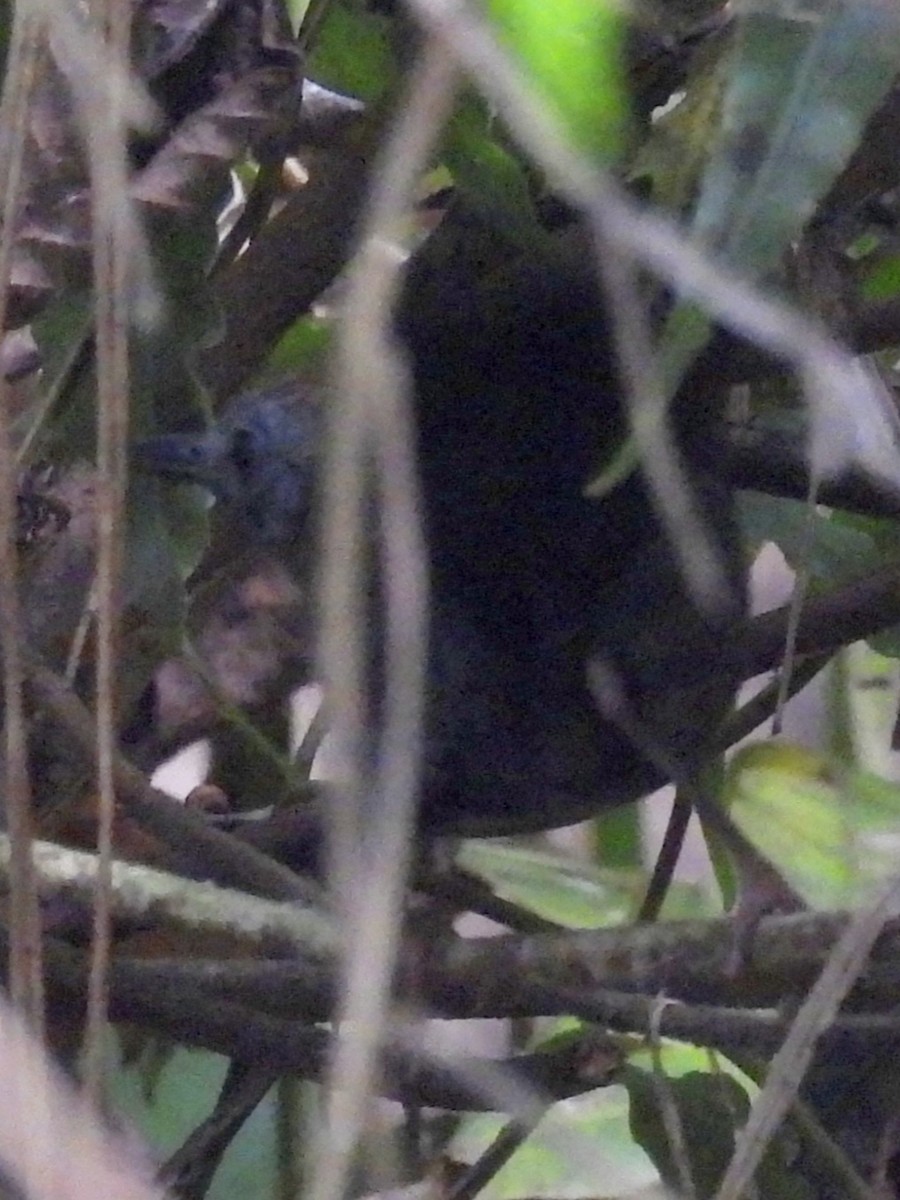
x: 301, y: 350
x: 864, y: 692
x: 582, y: 1147
x: 491, y: 175
x: 802, y: 87
x: 571, y: 893
x: 154, y: 603
x: 618, y: 836
x: 183, y: 1092
x: 64, y: 422
x: 709, y: 1107
x: 572, y: 51
x: 887, y: 642
x: 296, y: 12
x: 832, y: 550
x: 883, y: 279
x: 829, y: 829
x: 352, y: 53
x: 674, y: 153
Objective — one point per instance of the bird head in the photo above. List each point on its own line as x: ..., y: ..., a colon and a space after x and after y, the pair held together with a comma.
x: 258, y: 461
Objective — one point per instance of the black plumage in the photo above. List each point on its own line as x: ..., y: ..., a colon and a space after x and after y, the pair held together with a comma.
x: 516, y: 403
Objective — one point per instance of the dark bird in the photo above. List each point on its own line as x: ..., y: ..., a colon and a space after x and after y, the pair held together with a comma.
x: 517, y: 401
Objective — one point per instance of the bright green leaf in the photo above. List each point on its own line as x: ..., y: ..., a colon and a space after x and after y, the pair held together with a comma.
x: 830, y: 830
x: 572, y: 50
x: 582, y: 1147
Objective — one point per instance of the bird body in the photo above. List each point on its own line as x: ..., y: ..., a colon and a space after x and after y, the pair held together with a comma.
x: 516, y: 399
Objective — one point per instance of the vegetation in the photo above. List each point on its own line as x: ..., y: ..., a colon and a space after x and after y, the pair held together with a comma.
x: 176, y: 226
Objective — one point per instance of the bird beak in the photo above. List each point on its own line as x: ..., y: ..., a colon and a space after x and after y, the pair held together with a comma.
x: 184, y: 457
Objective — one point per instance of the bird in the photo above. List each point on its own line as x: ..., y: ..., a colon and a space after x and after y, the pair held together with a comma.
x: 533, y: 580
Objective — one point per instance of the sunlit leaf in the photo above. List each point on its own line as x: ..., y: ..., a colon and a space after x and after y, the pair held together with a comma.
x: 572, y: 50
x: 297, y: 11
x: 865, y: 687
x: 582, y: 1147
x: 829, y: 829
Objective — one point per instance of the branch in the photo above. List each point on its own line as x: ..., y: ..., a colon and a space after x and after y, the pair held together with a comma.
x: 604, y: 974
x: 195, y: 1018
x: 828, y: 622
x: 766, y: 460
x: 687, y: 960
x: 196, y: 847
x: 139, y: 892
x: 291, y: 261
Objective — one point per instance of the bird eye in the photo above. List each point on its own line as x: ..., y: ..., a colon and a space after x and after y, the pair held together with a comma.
x: 242, y: 450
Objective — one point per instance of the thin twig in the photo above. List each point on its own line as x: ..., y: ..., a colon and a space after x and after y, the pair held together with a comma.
x: 107, y: 153
x: 25, y: 982
x: 493, y: 1160
x: 845, y: 962
x: 257, y: 206
x: 666, y: 860
x: 190, y: 1169
x: 192, y: 842
x: 371, y: 422
x: 671, y: 1117
x: 647, y: 402
x: 762, y: 707
x: 56, y: 1145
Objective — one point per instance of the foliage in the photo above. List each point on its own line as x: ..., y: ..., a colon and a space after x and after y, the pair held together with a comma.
x: 762, y: 136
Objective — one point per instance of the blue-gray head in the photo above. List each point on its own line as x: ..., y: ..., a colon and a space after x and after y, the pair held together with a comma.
x: 258, y: 461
